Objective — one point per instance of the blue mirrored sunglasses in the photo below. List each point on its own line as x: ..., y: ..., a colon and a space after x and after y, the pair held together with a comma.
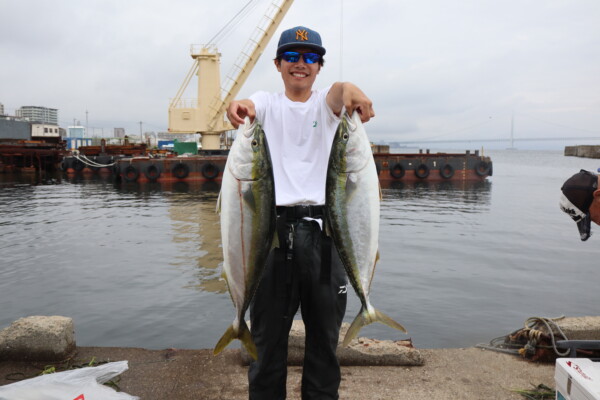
x: 293, y: 56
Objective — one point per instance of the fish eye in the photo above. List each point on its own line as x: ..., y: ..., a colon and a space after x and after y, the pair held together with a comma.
x: 254, y: 143
x: 345, y: 136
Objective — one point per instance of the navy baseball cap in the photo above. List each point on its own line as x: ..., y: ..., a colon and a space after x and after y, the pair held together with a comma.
x: 577, y: 196
x: 300, y: 36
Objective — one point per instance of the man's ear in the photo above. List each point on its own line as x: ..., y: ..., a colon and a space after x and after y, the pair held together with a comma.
x: 277, y: 64
x: 597, y: 193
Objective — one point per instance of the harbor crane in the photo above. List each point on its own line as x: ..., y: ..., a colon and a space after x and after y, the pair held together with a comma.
x: 205, y: 115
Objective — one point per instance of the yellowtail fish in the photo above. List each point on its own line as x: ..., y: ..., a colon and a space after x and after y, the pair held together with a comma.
x: 247, y: 207
x: 353, y: 198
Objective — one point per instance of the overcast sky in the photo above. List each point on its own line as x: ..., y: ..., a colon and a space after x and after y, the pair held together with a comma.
x: 435, y: 69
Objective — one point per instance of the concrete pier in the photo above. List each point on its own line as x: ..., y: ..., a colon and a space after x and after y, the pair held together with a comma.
x: 447, y: 374
x: 587, y: 151
x: 440, y: 374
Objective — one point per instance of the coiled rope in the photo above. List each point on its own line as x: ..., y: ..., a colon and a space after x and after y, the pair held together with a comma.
x: 533, y: 335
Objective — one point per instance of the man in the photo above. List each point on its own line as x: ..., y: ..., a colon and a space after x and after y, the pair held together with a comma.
x: 300, y: 124
x: 580, y: 199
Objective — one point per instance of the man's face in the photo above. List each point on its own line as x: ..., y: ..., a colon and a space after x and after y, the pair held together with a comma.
x: 298, y: 76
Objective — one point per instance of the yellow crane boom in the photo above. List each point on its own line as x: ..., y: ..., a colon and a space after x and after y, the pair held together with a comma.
x: 205, y: 115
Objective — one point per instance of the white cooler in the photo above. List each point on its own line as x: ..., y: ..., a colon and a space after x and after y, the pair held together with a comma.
x: 577, y: 379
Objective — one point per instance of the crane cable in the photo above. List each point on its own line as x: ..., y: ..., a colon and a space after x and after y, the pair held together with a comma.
x: 228, y: 27
x: 220, y: 35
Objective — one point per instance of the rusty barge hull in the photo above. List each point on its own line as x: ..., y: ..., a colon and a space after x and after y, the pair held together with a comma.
x: 171, y: 169
x: 209, y: 166
x: 30, y: 155
x: 414, y: 167
x: 104, y: 158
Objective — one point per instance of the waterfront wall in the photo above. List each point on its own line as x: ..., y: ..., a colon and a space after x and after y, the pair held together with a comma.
x: 587, y: 151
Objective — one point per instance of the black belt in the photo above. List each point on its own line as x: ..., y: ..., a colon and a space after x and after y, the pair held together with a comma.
x: 300, y: 211
x: 285, y: 231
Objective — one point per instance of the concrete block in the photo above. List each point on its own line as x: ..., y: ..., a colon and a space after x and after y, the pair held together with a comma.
x: 41, y: 338
x: 361, y: 351
x: 587, y: 151
x: 580, y: 328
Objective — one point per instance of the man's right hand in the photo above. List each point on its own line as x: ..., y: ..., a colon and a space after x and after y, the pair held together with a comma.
x: 240, y: 109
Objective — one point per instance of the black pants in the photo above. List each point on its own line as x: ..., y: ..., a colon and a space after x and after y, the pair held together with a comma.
x: 285, y: 286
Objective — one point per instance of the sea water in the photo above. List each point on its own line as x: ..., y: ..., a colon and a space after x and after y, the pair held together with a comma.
x: 139, y: 265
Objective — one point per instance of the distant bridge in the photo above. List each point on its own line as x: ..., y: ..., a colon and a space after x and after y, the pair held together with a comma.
x: 533, y: 139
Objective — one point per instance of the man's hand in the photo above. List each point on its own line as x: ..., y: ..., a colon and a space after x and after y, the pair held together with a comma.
x: 240, y: 109
x: 348, y: 95
x: 355, y: 99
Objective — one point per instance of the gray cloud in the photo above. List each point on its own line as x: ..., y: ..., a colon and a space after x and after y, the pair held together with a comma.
x: 433, y: 69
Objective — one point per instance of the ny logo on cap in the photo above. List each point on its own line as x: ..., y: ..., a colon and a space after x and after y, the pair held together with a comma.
x: 301, y: 34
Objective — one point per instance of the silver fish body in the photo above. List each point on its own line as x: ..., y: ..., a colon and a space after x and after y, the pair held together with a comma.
x: 353, y: 199
x: 248, y: 215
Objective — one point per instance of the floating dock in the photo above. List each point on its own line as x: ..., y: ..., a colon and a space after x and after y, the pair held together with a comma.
x: 30, y: 155
x: 414, y: 167
x: 209, y: 165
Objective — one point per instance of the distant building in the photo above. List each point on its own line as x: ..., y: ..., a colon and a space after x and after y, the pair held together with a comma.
x: 1, y: 109
x: 75, y: 143
x: 76, y: 131
x: 43, y: 115
x: 17, y: 130
x: 119, y: 132
x: 44, y: 130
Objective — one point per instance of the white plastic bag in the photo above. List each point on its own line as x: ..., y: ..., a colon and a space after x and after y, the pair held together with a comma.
x: 77, y: 384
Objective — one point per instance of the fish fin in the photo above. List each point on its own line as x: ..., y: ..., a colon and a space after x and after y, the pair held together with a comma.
x: 243, y: 334
x: 218, y: 208
x: 385, y: 319
x: 373, y: 270
x: 246, y: 338
x: 248, y: 197
x: 357, y: 324
x: 363, y: 319
x: 343, y: 114
x: 353, y: 120
x: 326, y: 227
x: 227, y: 338
x: 351, y: 186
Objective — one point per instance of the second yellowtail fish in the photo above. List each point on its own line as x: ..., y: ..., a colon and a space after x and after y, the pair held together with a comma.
x: 352, y: 218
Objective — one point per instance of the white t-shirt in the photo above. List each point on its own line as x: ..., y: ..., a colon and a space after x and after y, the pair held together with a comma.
x: 300, y: 136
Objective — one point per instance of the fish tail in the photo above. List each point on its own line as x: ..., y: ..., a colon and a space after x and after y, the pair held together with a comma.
x: 385, y: 319
x: 365, y: 318
x: 246, y: 339
x: 243, y: 334
x: 227, y: 338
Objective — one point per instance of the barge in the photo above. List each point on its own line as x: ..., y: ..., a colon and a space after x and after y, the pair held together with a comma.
x: 30, y: 155
x: 414, y: 167
x: 208, y: 166
x: 103, y: 158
